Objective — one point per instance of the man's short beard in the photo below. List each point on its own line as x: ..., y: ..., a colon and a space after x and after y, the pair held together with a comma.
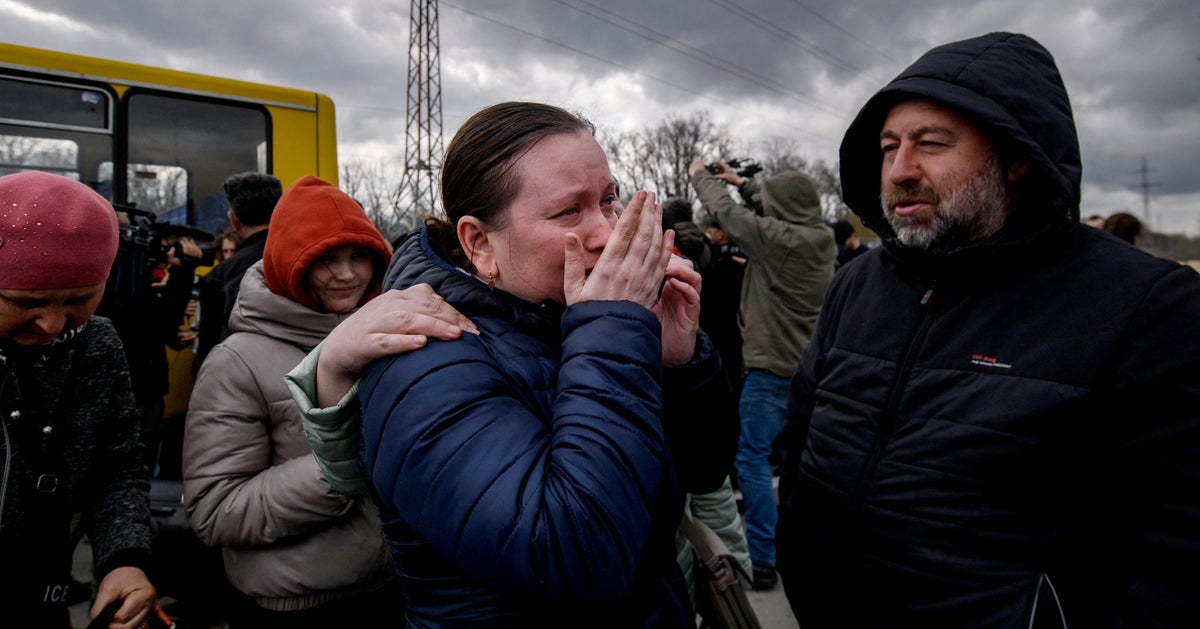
x: 972, y: 209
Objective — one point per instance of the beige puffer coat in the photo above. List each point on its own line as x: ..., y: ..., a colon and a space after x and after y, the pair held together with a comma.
x: 251, y: 484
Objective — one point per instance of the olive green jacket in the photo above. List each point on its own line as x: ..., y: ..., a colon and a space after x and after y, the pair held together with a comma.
x: 791, y: 255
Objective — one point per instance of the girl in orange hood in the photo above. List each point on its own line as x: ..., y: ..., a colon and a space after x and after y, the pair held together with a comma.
x: 251, y: 484
x: 319, y: 237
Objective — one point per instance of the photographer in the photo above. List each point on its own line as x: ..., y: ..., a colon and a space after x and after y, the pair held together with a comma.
x: 791, y: 255
x: 146, y: 297
x: 69, y: 439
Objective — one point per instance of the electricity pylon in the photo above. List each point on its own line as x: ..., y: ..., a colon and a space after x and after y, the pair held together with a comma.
x: 418, y: 192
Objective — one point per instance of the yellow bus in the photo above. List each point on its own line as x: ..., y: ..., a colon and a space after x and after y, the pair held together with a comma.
x: 160, y: 140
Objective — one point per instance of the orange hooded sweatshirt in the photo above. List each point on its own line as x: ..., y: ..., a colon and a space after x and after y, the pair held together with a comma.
x: 312, y: 217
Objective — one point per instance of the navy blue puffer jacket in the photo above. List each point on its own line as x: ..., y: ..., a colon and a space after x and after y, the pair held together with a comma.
x: 530, y: 476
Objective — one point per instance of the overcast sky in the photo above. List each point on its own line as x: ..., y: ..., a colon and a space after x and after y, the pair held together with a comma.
x: 797, y: 69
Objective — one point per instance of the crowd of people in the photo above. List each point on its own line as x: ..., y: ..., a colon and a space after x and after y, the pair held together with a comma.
x: 991, y: 418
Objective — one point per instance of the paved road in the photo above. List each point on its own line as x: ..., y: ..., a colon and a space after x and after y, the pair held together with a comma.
x: 772, y: 609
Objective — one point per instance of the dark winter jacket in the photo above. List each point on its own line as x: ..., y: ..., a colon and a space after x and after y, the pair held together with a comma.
x: 147, y: 319
x: 530, y: 476
x: 1007, y: 435
x: 90, y: 457
x: 219, y: 291
x: 719, y: 303
x: 791, y: 252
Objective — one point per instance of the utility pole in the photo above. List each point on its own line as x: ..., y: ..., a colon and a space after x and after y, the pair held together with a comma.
x: 1145, y: 173
x: 418, y: 192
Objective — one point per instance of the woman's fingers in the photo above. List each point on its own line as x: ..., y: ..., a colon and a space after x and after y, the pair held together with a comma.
x: 386, y: 313
x: 648, y: 239
x: 574, y: 269
x: 396, y: 321
x: 633, y: 261
x: 667, y: 252
x: 626, y: 229
x: 683, y: 270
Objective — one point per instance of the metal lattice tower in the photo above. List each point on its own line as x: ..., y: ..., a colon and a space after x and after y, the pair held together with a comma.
x: 418, y: 192
x: 1145, y: 185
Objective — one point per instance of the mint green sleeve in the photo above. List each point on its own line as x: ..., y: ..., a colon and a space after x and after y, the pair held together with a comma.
x: 333, y: 432
x: 718, y: 509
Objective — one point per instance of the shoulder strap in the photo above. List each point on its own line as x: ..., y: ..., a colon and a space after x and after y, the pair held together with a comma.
x: 710, y: 549
x: 719, y: 595
x: 707, y: 543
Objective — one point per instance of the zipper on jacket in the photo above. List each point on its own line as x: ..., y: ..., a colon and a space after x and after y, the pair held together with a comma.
x: 888, y: 418
x: 7, y: 443
x: 7, y: 465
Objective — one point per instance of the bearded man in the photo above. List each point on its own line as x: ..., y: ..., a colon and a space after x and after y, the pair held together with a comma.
x: 997, y: 423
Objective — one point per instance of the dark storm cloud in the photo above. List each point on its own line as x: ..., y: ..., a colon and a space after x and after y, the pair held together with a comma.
x: 355, y: 53
x: 791, y: 68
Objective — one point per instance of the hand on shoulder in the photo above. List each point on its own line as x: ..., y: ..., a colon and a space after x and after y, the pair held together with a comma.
x: 395, y: 322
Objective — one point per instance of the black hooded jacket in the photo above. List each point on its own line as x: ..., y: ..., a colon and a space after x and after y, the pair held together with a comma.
x: 1007, y: 435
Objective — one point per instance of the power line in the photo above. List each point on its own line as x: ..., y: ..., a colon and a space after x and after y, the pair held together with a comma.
x: 738, y: 71
x: 845, y: 32
x: 1145, y: 171
x: 370, y: 107
x: 629, y: 69
x: 767, y: 26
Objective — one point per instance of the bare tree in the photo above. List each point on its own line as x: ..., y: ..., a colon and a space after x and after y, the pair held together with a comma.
x: 654, y: 158
x: 373, y: 184
x: 778, y: 154
x: 626, y: 156
x: 157, y: 188
x: 829, y: 186
x: 411, y: 211
x: 657, y: 158
x: 17, y: 152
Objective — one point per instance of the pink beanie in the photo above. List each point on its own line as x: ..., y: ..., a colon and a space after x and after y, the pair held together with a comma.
x: 54, y: 233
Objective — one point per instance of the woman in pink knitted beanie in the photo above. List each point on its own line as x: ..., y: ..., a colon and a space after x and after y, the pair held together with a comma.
x: 69, y: 440
x: 58, y: 239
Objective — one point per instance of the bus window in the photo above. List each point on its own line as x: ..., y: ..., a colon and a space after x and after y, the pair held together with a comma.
x: 206, y: 140
x: 19, y: 153
x: 162, y: 190
x: 57, y: 127
x: 50, y: 104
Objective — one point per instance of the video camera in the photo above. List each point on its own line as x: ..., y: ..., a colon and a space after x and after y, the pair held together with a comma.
x: 141, y: 248
x: 145, y: 237
x: 743, y: 167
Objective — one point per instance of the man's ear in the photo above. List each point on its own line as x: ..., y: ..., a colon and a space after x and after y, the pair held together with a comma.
x: 473, y: 237
x: 1017, y: 169
x: 233, y: 220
